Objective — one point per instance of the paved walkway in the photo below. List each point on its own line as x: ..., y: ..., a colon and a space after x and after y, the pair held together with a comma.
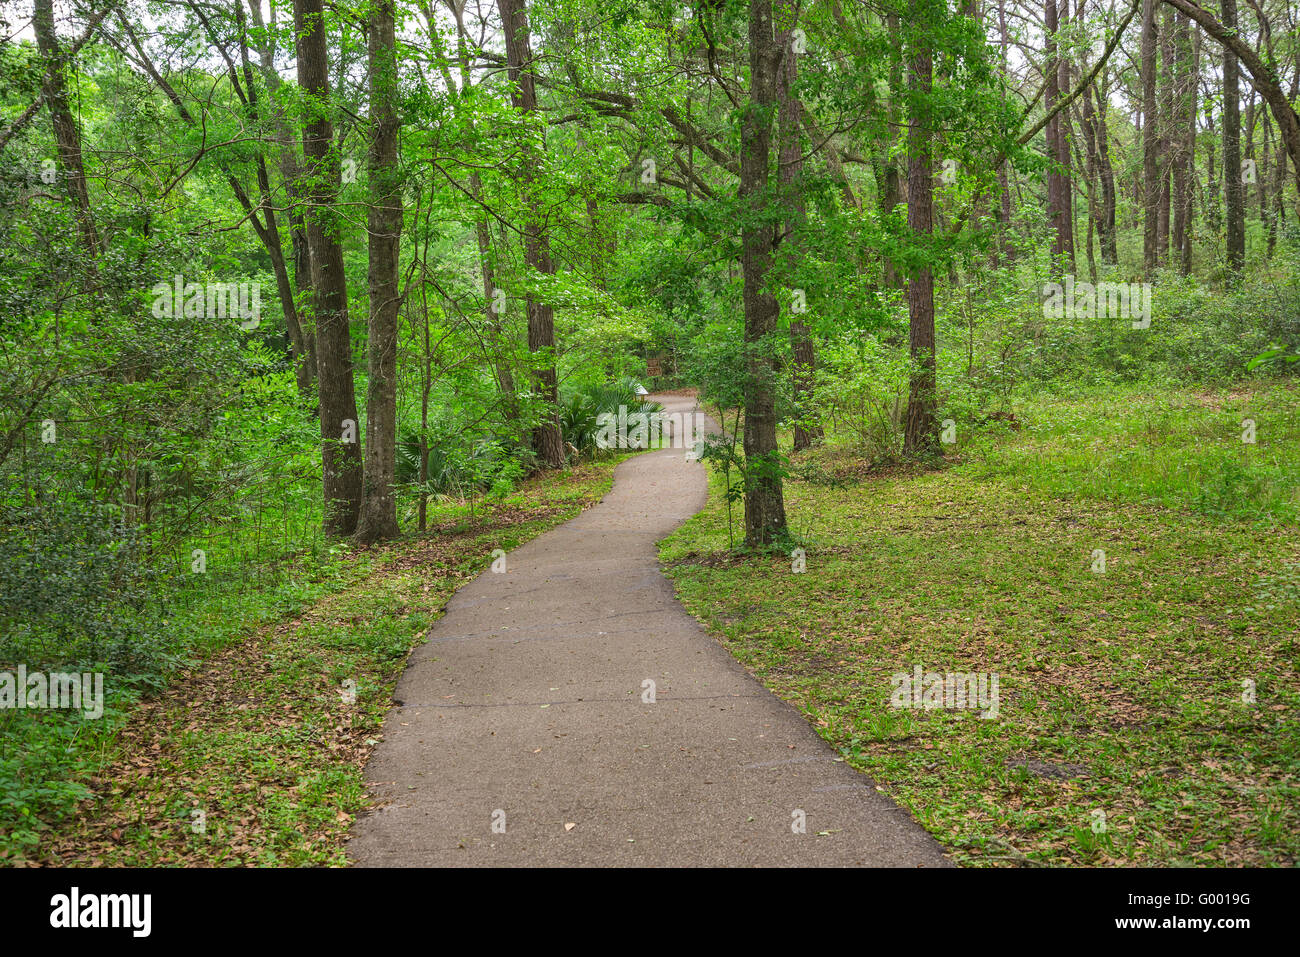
x: 525, y: 708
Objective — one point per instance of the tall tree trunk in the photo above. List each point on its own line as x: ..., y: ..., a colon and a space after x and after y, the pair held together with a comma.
x: 1063, y: 144
x: 1193, y: 91
x: 500, y: 364
x: 1264, y: 78
x: 889, y: 182
x: 764, y: 500
x: 1106, y: 228
x: 806, y: 429
x: 268, y: 231
x: 1101, y: 179
x: 1166, y: 81
x: 1264, y: 151
x: 548, y: 443
x: 67, y: 135
x: 340, y: 441
x: 1006, y: 250
x: 1184, y: 140
x: 1150, y: 139
x: 1234, y: 195
x: 921, y: 433
x: 1059, y: 198
x: 1277, y: 217
x: 1090, y: 166
x: 378, y: 519
x: 300, y: 334
x: 498, y: 339
x: 1211, y: 203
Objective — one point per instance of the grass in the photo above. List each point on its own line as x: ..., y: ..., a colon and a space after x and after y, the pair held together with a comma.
x: 253, y: 755
x: 46, y: 757
x: 1125, y: 731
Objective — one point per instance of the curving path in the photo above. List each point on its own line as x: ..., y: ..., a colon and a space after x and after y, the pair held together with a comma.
x: 526, y: 703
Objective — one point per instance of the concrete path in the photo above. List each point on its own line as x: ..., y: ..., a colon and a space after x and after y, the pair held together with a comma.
x: 524, y: 709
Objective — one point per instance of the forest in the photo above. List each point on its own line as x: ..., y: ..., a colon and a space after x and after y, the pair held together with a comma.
x: 309, y: 311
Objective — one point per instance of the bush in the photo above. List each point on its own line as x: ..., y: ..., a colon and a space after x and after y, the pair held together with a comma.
x: 580, y: 412
x: 1197, y: 334
x: 460, y: 467
x: 74, y: 590
x: 862, y: 386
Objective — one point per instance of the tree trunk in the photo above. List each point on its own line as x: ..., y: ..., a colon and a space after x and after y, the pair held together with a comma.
x: 1184, y: 139
x: 1265, y: 79
x: 1150, y: 140
x: 1234, y: 195
x: 1278, y: 215
x: 497, y: 351
x: 340, y: 443
x: 1166, y: 131
x: 67, y: 136
x: 378, y: 519
x: 921, y: 434
x: 548, y: 443
x: 806, y: 430
x: 889, y: 184
x: 500, y: 365
x: 302, y: 337
x: 1065, y: 137
x: 1006, y: 250
x: 1059, y: 198
x: 1101, y: 181
x: 1089, y: 165
x: 1265, y: 150
x: 1106, y: 229
x: 764, y: 500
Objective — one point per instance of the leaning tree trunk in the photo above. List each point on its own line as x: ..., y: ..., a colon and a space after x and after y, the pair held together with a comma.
x: 764, y: 500
x: 384, y: 230
x: 340, y: 445
x: 548, y: 442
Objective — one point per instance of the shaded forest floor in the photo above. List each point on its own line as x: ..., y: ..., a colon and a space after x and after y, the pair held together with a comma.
x: 1123, y: 734
x: 254, y: 755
